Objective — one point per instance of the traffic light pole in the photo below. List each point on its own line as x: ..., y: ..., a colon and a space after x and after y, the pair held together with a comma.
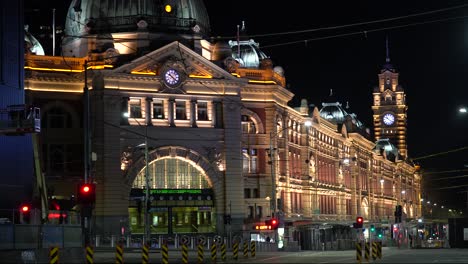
x: 86, y: 209
x: 147, y: 190
x: 273, y: 187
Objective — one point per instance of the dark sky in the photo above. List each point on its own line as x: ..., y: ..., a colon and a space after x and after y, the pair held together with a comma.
x: 430, y: 51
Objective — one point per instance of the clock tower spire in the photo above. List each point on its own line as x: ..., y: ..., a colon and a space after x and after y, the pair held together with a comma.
x: 389, y: 107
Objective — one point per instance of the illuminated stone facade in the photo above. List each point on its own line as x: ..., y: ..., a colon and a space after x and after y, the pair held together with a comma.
x: 218, y: 132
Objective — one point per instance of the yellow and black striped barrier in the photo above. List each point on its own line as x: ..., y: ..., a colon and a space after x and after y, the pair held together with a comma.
x: 358, y: 252
x: 246, y: 249
x: 118, y: 253
x: 374, y: 250
x: 366, y: 251
x: 89, y: 255
x: 235, y: 250
x: 165, y: 252
x: 379, y: 249
x: 53, y: 255
x: 200, y: 254
x: 252, y: 248
x: 213, y: 252
x: 145, y: 254
x: 223, y: 251
x: 184, y: 253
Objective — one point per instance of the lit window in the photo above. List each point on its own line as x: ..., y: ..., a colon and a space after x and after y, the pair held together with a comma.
x: 135, y: 108
x: 158, y: 109
x: 248, y: 126
x: 202, y: 111
x: 181, y: 113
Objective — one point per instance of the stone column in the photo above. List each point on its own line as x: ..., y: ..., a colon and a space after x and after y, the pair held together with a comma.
x: 193, y: 113
x: 170, y: 112
x: 148, y: 112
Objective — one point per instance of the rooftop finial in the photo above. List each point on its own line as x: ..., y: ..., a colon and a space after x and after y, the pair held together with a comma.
x: 347, y: 104
x: 388, y: 53
x: 331, y: 92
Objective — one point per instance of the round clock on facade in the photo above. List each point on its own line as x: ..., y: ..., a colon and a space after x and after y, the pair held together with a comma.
x: 388, y: 119
x: 172, y: 77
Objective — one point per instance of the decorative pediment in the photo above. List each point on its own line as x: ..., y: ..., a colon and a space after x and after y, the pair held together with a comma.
x: 176, y: 54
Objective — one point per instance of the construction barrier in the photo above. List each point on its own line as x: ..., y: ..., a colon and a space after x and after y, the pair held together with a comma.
x: 200, y: 253
x: 358, y: 252
x: 53, y: 255
x: 165, y: 252
x: 145, y: 254
x: 374, y: 250
x: 213, y: 253
x: 246, y: 249
x: 252, y: 249
x: 235, y: 250
x: 185, y: 241
x: 379, y: 249
x: 223, y: 251
x: 366, y: 251
x: 89, y: 255
x: 118, y: 253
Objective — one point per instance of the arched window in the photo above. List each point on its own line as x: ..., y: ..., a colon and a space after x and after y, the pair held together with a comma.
x: 172, y: 173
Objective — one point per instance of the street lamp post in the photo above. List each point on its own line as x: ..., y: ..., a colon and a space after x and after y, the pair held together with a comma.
x: 147, y: 189
x: 273, y: 178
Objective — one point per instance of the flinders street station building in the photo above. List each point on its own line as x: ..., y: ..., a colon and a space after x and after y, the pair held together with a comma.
x: 208, y: 129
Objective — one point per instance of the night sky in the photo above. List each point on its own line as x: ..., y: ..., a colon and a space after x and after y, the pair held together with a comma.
x: 430, y: 51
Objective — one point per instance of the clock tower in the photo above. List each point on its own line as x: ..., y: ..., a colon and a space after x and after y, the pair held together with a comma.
x: 389, y: 108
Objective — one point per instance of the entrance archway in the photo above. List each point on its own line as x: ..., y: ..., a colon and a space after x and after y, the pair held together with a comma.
x: 181, y: 193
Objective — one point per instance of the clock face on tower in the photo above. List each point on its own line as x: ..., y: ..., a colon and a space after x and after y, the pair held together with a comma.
x: 388, y: 119
x: 172, y: 78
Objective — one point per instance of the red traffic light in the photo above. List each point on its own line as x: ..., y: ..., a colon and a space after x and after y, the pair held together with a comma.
x: 274, y: 222
x: 25, y: 208
x: 86, y: 188
x: 359, y: 220
x: 86, y: 193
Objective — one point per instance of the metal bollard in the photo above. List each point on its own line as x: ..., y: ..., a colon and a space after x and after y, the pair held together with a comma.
x: 129, y: 238
x: 192, y: 242
x: 160, y: 241
x: 98, y: 240
x: 112, y: 241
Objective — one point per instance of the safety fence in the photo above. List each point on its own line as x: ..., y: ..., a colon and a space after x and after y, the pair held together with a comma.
x: 204, y: 252
x: 176, y: 242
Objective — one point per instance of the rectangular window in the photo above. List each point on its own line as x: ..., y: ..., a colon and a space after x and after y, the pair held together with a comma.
x: 158, y: 109
x: 246, y: 193
x: 251, y: 212
x: 135, y: 108
x: 256, y: 194
x: 202, y: 111
x: 259, y: 212
x: 181, y: 113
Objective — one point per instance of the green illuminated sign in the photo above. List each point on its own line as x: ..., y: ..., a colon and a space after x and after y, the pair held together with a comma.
x: 175, y: 191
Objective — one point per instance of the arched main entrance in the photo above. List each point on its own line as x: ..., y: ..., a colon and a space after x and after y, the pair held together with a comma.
x: 181, y: 194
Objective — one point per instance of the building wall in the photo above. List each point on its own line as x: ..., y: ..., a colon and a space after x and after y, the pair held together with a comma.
x: 307, y: 163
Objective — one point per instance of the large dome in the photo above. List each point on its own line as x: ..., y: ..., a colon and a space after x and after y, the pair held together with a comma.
x: 110, y: 16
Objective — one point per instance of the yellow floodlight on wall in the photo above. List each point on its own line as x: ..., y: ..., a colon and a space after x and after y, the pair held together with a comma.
x: 168, y: 8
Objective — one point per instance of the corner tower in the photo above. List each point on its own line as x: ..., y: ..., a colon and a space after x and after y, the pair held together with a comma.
x: 390, y: 108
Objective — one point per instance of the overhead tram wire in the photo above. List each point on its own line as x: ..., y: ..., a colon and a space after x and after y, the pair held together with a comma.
x: 440, y: 153
x: 362, y: 32
x: 356, y: 24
